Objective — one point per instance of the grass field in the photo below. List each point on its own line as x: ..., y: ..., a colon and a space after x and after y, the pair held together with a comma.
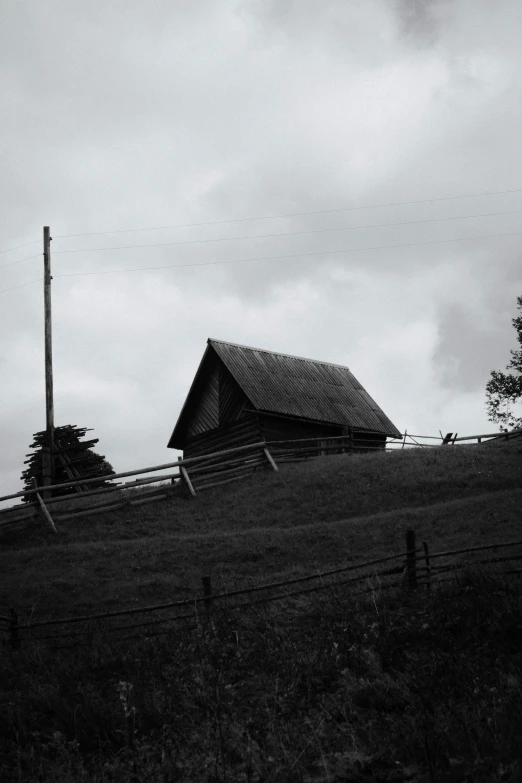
x: 331, y: 688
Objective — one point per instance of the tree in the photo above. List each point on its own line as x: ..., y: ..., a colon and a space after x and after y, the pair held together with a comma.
x: 505, y: 389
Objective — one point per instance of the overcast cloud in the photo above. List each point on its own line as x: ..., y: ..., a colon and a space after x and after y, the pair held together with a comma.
x: 125, y: 115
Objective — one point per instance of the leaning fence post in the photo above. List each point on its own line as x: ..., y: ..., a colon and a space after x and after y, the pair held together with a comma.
x: 270, y: 459
x: 428, y: 566
x: 44, y: 511
x: 13, y: 628
x: 411, y: 563
x: 187, y: 480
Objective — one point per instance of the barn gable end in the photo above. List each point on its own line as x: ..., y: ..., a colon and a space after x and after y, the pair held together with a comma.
x: 205, y: 411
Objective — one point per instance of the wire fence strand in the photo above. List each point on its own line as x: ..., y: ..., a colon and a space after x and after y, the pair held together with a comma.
x: 201, y: 599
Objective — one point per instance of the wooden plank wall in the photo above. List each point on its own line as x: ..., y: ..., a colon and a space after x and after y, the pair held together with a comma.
x: 232, y: 399
x: 206, y: 413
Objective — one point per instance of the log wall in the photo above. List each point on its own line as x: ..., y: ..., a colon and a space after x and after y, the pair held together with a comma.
x: 279, y: 428
x: 239, y: 433
x: 368, y: 441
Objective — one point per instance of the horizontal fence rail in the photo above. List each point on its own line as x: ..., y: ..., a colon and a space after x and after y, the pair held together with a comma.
x: 192, y: 474
x: 490, y: 436
x: 125, y: 474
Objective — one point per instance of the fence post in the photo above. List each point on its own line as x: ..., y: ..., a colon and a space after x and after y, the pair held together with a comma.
x: 13, y: 628
x: 207, y: 592
x: 47, y: 471
x: 428, y: 566
x: 411, y: 563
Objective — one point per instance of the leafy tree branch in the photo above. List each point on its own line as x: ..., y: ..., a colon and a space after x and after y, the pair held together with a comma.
x: 503, y: 390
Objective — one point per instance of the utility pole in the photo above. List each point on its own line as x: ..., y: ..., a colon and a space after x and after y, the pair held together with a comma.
x: 48, y: 451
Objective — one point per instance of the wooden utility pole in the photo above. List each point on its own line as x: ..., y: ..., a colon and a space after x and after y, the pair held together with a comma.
x: 48, y: 452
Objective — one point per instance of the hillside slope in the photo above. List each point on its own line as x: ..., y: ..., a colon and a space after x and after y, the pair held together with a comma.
x: 325, y: 512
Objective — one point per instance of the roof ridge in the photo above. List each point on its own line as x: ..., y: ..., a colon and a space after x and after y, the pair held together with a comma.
x: 278, y: 353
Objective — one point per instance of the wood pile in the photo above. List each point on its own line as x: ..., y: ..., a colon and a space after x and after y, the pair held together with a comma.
x: 73, y: 459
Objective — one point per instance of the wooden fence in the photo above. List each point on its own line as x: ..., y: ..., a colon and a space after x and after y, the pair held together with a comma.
x: 304, y: 448
x: 453, y: 437
x: 203, y: 472
x: 414, y: 568
x: 189, y: 475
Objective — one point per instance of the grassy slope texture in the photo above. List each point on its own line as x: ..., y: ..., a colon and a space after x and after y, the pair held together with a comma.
x: 331, y: 687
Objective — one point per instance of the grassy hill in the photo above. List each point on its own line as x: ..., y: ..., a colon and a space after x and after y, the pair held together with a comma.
x: 320, y: 513
x: 330, y: 688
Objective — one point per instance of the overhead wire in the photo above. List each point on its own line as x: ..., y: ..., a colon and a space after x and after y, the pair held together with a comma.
x: 13, y: 263
x: 286, y: 255
x: 22, y: 285
x: 288, y: 233
x: 267, y: 258
x: 296, y: 214
x: 19, y: 247
x: 276, y: 235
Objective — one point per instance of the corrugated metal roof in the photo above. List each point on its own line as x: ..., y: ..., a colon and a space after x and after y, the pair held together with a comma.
x: 304, y: 388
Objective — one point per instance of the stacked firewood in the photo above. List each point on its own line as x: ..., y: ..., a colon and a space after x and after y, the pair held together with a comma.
x: 73, y: 459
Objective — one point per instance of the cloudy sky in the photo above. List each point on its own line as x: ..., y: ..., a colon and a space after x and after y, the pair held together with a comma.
x: 348, y: 176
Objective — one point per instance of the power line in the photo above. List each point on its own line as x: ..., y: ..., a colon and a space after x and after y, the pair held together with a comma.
x: 289, y: 233
x: 294, y: 214
x: 22, y: 285
x: 19, y: 247
x: 286, y: 255
x: 13, y: 263
x: 268, y: 258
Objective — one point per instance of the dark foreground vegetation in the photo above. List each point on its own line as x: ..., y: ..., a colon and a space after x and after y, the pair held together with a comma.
x: 392, y: 686
x: 328, y: 688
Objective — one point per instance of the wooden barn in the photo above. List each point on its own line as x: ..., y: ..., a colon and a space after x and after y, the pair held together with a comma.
x: 243, y: 395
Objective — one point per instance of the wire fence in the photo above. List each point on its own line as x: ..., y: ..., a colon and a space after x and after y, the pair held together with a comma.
x: 413, y: 569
